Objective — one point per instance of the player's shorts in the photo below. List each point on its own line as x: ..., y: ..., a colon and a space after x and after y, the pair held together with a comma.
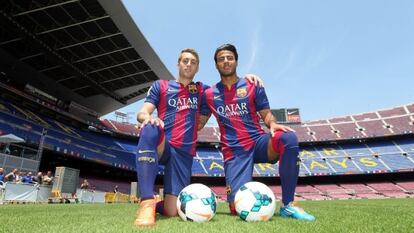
x: 239, y: 169
x: 177, y: 172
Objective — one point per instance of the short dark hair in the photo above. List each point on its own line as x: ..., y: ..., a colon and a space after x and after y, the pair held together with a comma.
x: 228, y: 47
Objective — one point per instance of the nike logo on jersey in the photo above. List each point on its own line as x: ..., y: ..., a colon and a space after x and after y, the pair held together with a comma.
x: 172, y: 90
x: 145, y: 151
x: 217, y: 97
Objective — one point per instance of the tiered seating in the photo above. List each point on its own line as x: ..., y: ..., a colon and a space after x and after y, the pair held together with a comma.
x: 303, y: 134
x: 209, y: 134
x: 334, y: 191
x: 410, y: 108
x: 401, y: 125
x: 385, y: 147
x: 372, y: 190
x: 348, y: 130
x: 66, y: 140
x: 323, y: 132
x: 309, y: 192
x: 317, y: 122
x: 266, y: 169
x: 355, y: 150
x: 121, y: 127
x: 317, y: 166
x: 361, y: 190
x: 351, y: 158
x: 388, y: 189
x: 198, y: 169
x: 22, y: 128
x: 371, y: 165
x: 365, y: 116
x: 398, y: 111
x: 214, y: 167
x: 406, y: 145
x: 356, y: 187
x: 220, y: 192
x: 374, y: 128
x: 344, y: 166
x: 397, y: 162
x: 277, y: 190
x: 340, y: 119
x: 209, y: 153
x: 109, y: 125
x: 407, y: 186
x: 348, y: 127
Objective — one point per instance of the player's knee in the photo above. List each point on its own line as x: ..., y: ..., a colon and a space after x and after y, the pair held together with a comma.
x: 150, y: 133
x: 289, y: 138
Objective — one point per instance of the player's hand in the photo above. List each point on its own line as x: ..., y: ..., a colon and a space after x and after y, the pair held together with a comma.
x: 153, y: 121
x: 254, y: 79
x: 277, y: 127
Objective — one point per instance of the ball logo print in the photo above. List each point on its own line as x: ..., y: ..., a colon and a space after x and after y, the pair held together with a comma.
x: 255, y: 201
x: 197, y: 203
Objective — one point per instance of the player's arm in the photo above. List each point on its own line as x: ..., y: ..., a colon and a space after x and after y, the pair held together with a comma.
x: 202, y: 121
x: 144, y: 115
x: 271, y: 123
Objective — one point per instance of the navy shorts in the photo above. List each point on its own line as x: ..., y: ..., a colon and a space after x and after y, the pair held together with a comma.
x: 239, y: 170
x: 177, y: 172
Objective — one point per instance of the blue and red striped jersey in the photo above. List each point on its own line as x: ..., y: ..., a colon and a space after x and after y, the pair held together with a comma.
x: 178, y: 107
x: 236, y: 112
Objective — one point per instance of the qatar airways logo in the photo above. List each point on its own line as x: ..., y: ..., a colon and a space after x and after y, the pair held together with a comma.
x: 230, y: 110
x: 183, y: 103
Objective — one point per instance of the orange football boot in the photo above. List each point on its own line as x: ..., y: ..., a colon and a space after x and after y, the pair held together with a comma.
x: 146, y: 213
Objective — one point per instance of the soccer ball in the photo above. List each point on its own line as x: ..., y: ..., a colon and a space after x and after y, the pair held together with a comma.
x: 197, y: 203
x: 255, y: 201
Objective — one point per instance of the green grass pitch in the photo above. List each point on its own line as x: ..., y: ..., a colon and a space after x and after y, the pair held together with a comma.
x: 385, y: 215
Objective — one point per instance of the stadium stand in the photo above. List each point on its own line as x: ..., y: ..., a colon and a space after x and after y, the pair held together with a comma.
x: 220, y: 191
x: 57, y: 75
x: 365, y: 116
x: 397, y: 111
x: 121, y: 127
x: 388, y: 189
x: 375, y: 128
x: 340, y: 119
x: 401, y: 125
x: 410, y: 108
x: 209, y: 134
x: 407, y: 186
x: 323, y: 132
x: 304, y: 133
x: 387, y: 122
x: 309, y: 192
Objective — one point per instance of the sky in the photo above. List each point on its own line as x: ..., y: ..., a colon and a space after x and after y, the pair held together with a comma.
x: 327, y: 58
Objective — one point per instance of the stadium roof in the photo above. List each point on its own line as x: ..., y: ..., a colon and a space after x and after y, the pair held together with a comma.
x: 88, y: 51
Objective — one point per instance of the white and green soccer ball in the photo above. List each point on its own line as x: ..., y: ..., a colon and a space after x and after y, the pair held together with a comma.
x: 197, y: 203
x: 255, y: 201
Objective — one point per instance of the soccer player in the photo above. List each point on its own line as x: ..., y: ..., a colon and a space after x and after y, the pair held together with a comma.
x: 235, y: 104
x: 169, y: 139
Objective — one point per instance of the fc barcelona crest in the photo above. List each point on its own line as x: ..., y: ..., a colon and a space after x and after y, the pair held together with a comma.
x: 192, y: 88
x: 241, y: 92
